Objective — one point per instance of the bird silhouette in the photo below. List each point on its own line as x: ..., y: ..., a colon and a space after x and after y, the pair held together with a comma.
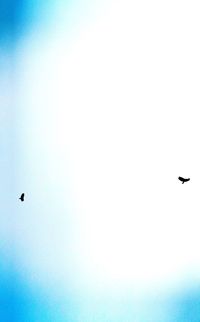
x: 22, y: 197
x: 183, y: 180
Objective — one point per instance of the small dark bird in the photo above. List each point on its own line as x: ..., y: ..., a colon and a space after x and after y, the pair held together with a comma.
x: 183, y: 180
x: 22, y: 197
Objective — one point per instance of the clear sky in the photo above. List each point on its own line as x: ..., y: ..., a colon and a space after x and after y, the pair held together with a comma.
x: 100, y: 115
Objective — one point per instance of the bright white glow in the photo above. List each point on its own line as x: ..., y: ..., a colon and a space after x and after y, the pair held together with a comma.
x: 112, y: 121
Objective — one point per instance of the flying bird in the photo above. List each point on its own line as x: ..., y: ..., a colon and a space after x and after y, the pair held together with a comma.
x: 22, y: 197
x: 183, y: 180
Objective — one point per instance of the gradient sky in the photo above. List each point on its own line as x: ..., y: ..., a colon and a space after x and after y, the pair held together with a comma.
x: 99, y: 117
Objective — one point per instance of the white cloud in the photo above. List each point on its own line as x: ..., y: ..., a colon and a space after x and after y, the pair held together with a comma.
x: 119, y: 106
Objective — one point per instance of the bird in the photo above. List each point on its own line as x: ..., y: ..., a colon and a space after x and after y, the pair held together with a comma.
x: 183, y: 180
x: 22, y: 197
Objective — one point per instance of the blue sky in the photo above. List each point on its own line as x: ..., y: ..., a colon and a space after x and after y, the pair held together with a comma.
x: 99, y: 117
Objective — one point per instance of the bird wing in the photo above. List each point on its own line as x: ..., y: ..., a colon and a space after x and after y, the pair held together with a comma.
x: 181, y: 179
